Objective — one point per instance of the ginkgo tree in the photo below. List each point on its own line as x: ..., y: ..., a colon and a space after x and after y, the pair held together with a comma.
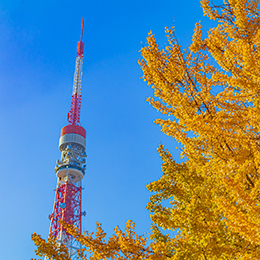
x: 210, y: 92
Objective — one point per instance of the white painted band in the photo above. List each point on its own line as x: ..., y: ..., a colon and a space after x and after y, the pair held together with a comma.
x: 72, y: 138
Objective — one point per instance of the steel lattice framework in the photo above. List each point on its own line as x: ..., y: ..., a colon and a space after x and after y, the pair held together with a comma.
x: 70, y: 169
x: 70, y: 195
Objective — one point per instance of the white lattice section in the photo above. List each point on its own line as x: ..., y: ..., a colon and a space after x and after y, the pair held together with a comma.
x: 77, y: 83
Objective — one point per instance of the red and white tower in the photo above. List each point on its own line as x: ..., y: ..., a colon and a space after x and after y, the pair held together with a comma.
x: 70, y: 169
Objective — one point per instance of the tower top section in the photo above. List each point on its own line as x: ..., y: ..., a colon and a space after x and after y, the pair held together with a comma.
x: 74, y: 113
x: 73, y: 127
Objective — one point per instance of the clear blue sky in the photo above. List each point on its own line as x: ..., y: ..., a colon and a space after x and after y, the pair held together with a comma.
x: 37, y: 58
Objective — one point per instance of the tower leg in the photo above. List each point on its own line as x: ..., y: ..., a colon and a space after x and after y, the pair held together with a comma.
x: 67, y: 207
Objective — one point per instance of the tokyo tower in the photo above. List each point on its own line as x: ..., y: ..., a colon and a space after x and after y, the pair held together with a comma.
x: 70, y: 169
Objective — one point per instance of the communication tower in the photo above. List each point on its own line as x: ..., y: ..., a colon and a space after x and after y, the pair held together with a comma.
x: 70, y: 168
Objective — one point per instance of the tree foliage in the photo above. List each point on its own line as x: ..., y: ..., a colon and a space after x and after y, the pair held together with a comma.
x: 210, y: 94
x: 123, y: 245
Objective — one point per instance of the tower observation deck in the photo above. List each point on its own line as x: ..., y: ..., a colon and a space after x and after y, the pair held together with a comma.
x: 70, y: 168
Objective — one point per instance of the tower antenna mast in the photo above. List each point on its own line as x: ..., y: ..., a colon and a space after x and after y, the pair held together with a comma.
x: 74, y: 113
x: 70, y: 169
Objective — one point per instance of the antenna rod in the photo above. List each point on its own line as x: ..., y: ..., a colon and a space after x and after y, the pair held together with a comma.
x: 82, y: 24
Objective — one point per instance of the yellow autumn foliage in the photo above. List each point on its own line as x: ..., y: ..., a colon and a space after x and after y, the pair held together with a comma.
x: 122, y: 245
x: 210, y: 93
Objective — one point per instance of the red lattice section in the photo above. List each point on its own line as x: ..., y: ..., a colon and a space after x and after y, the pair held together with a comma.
x: 74, y: 113
x: 67, y: 207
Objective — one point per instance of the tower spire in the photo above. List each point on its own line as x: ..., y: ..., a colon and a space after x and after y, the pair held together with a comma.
x: 82, y: 24
x: 70, y: 169
x: 74, y: 113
